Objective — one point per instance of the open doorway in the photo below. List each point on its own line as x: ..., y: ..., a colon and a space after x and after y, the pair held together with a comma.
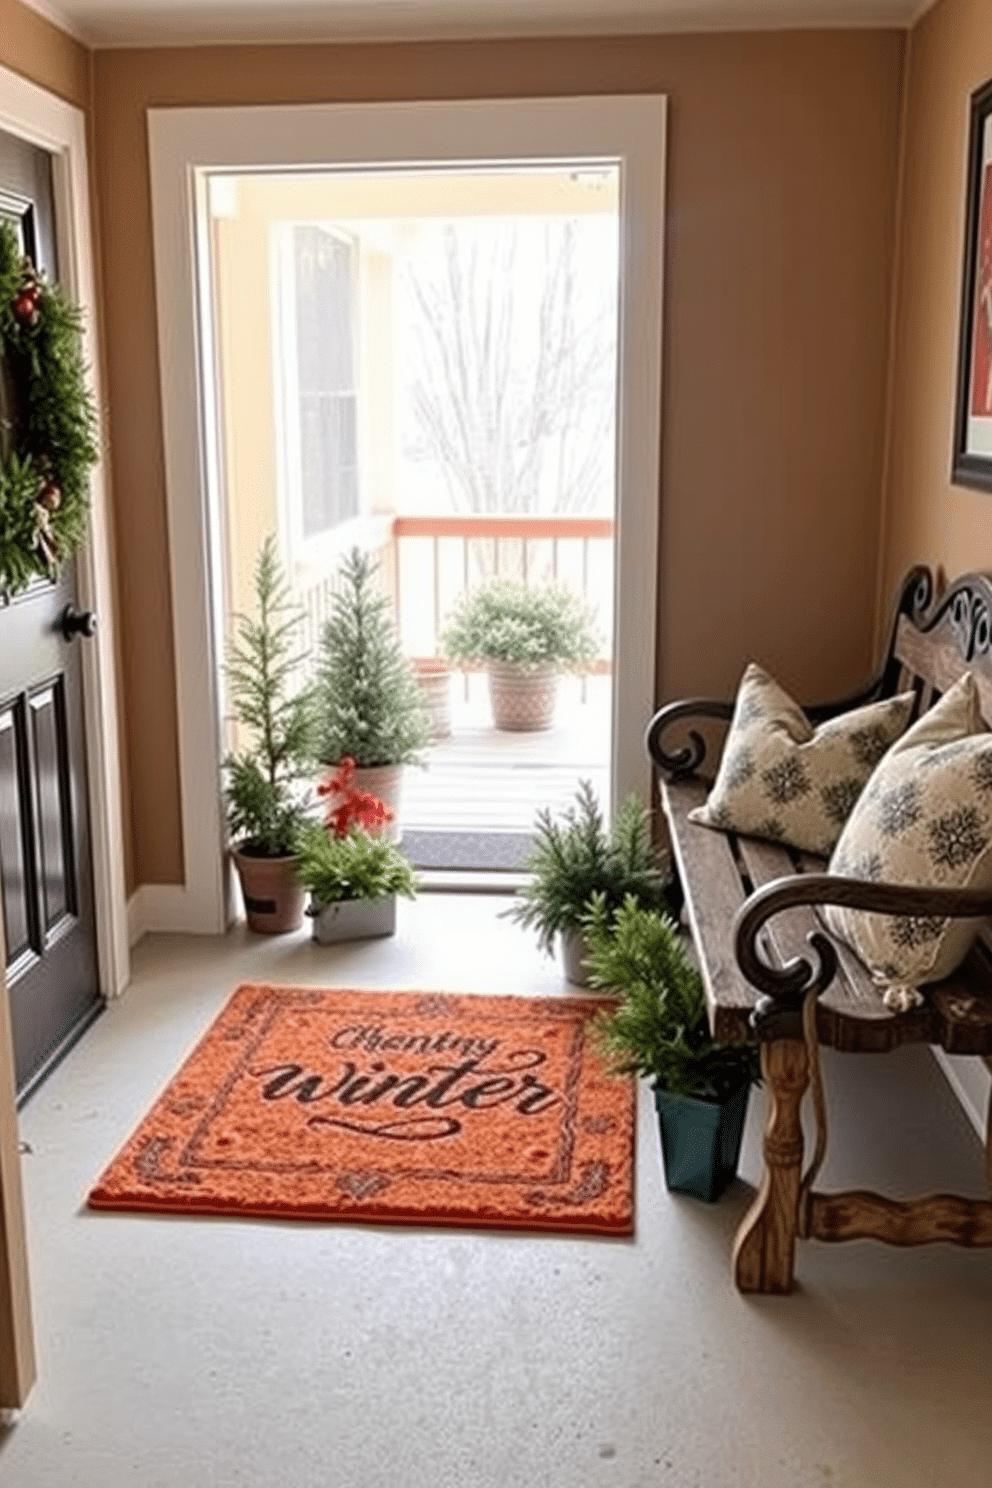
x: 423, y: 363
x: 188, y: 146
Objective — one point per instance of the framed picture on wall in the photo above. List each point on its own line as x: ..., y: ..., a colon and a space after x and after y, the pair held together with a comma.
x: 973, y: 416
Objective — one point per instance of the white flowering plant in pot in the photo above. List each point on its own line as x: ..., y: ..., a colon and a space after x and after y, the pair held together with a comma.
x: 524, y: 637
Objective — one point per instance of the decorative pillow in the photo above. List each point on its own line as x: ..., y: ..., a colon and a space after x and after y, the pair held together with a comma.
x: 925, y: 818
x: 780, y: 778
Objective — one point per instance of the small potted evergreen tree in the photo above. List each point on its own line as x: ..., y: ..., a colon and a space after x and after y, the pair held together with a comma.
x: 264, y: 794
x: 659, y: 1029
x: 525, y: 637
x: 368, y: 705
x: 576, y: 857
x: 353, y: 877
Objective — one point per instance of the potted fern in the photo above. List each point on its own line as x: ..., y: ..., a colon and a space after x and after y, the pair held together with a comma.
x: 368, y: 704
x: 264, y: 795
x: 660, y: 1030
x: 525, y: 637
x: 353, y: 876
x: 576, y: 857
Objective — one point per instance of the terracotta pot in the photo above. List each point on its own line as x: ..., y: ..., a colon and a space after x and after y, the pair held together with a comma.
x: 273, y: 897
x: 523, y: 698
x: 434, y: 680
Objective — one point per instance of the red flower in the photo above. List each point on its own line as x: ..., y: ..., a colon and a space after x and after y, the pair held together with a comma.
x: 355, y: 807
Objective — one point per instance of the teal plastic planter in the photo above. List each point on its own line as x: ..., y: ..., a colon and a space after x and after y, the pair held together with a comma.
x: 700, y: 1141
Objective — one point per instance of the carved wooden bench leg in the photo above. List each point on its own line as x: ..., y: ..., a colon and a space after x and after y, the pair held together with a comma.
x: 765, y: 1243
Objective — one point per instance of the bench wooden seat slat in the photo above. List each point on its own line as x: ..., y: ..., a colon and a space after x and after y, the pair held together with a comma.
x: 704, y: 853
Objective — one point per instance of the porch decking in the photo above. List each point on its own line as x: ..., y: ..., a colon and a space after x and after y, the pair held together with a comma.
x: 482, y: 780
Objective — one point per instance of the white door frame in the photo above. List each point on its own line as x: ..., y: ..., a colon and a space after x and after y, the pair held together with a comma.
x: 185, y: 144
x: 43, y: 119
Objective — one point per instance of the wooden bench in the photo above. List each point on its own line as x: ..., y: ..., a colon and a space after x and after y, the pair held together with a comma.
x: 773, y: 973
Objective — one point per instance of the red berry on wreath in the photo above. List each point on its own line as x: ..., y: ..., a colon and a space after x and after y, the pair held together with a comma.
x: 25, y: 307
x: 51, y: 496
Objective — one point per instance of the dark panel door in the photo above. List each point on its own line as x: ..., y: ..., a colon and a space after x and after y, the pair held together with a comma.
x: 46, y: 890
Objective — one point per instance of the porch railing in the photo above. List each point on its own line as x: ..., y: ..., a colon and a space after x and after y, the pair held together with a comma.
x: 437, y: 559
x: 427, y: 563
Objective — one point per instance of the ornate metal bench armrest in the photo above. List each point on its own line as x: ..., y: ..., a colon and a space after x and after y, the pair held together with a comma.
x: 685, y: 761
x: 785, y: 987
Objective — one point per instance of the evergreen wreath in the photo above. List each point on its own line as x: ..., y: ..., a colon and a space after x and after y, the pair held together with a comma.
x: 48, y: 427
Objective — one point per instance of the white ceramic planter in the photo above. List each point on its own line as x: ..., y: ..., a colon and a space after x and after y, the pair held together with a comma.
x: 573, y: 950
x: 352, y: 919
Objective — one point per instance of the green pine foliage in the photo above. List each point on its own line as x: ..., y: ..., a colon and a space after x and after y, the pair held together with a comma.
x: 368, y: 701
x: 19, y: 558
x: 576, y: 857
x: 264, y: 808
x: 507, y: 621
x: 660, y: 1028
x: 55, y: 434
x: 356, y: 866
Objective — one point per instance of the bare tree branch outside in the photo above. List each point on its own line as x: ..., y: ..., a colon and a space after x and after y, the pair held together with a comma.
x: 513, y: 383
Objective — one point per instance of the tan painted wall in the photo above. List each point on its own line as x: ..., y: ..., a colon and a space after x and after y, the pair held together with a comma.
x: 927, y: 518
x: 39, y: 51
x: 781, y: 209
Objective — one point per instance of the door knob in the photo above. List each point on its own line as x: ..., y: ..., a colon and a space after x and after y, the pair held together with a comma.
x: 77, y: 622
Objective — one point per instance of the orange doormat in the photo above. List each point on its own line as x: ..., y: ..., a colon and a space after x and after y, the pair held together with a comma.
x: 389, y: 1107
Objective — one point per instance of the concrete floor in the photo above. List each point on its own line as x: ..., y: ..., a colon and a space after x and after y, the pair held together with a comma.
x: 209, y: 1353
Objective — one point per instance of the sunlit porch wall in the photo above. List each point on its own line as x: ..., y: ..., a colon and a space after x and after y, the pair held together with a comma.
x: 246, y: 331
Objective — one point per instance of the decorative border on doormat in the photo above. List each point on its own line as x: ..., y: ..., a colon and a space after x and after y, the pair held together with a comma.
x: 389, y: 1107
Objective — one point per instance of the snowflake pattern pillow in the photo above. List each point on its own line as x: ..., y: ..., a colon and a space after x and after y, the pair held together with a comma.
x: 782, y: 779
x: 925, y: 818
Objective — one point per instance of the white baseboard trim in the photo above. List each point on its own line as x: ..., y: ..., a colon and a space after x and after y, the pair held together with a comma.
x: 971, y: 1082
x: 168, y: 907
x: 135, y: 918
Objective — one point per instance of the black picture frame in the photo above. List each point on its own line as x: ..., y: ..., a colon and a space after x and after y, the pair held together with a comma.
x: 972, y: 462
